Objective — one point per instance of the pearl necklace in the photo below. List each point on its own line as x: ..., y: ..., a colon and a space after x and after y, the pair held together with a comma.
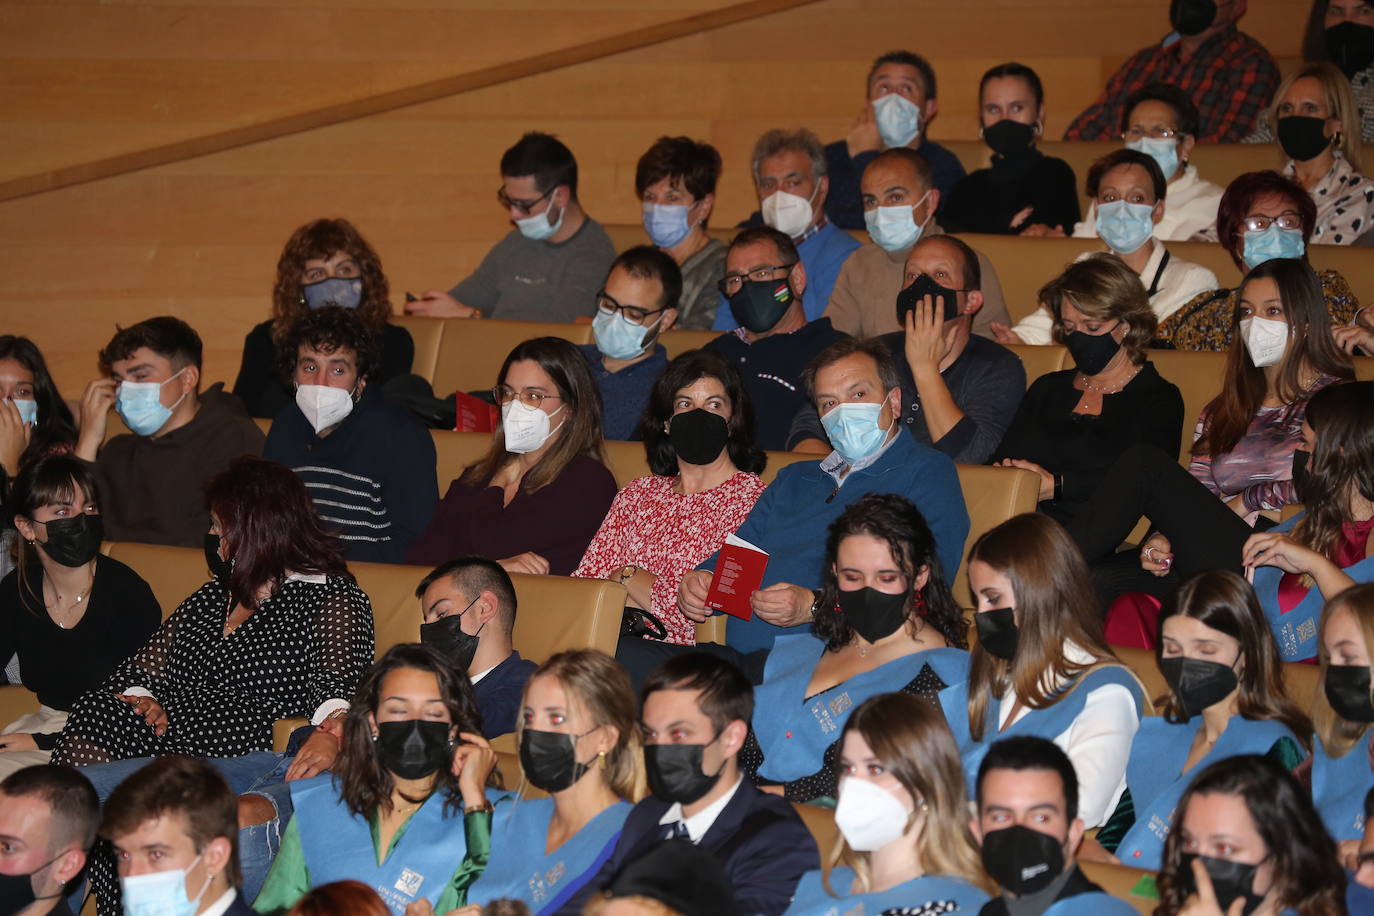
x: 1083, y: 383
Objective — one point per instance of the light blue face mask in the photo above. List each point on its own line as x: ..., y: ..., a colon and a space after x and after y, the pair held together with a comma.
x: 618, y: 337
x: 28, y: 411
x: 161, y: 893
x: 344, y: 292
x: 898, y: 119
x: 1272, y: 243
x: 666, y: 224
x: 1125, y: 226
x: 894, y: 228
x: 1163, y: 150
x: 854, y: 431
x: 537, y: 227
x: 140, y: 405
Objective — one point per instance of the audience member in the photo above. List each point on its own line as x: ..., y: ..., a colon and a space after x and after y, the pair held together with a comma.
x: 1342, y: 32
x: 960, y: 391
x: 676, y: 181
x: 69, y: 614
x: 1060, y: 682
x: 885, y: 621
x: 1027, y: 823
x: 1262, y: 216
x: 1228, y: 74
x: 1359, y: 867
x: 367, y: 464
x: 698, y: 433
x: 1341, y: 761
x: 1074, y: 423
x: 673, y: 878
x: 340, y: 898
x: 695, y: 711
x: 34, y: 420
x: 153, y: 479
x: 766, y: 282
x: 900, y: 104
x: 533, y: 502
x: 325, y: 262
x: 638, y: 303
x: 899, y: 199
x: 792, y: 185
x: 1023, y: 192
x: 550, y: 265
x: 906, y: 845
x: 48, y: 819
x: 579, y: 742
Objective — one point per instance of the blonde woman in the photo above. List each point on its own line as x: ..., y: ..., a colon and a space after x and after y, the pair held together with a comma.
x: 1341, y: 766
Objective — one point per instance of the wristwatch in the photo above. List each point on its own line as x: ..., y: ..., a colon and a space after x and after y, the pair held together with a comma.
x: 627, y: 573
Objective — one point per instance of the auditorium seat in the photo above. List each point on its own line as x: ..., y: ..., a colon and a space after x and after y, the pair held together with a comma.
x: 1120, y: 881
x: 1300, y: 682
x: 992, y: 496
x: 1198, y: 377
x: 678, y: 341
x: 821, y: 822
x: 428, y: 335
x: 471, y: 351
x: 1039, y: 360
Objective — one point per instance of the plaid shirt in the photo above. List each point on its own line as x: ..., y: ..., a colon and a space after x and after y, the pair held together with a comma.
x: 1231, y: 79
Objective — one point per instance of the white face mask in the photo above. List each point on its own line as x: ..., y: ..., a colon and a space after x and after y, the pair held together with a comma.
x: 1265, y: 339
x: 161, y: 893
x: 324, y: 406
x: 869, y: 816
x: 790, y: 214
x: 526, y: 428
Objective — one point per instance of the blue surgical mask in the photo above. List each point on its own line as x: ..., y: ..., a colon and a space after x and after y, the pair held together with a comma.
x: 28, y: 411
x: 140, y: 405
x: 344, y: 292
x: 537, y: 227
x: 898, y: 118
x: 1125, y: 226
x: 894, y: 228
x: 1163, y: 150
x: 666, y: 224
x: 854, y: 431
x: 161, y: 893
x: 618, y: 337
x: 1272, y: 243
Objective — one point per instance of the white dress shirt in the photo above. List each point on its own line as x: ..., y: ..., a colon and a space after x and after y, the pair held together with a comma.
x: 699, y: 823
x: 1190, y: 209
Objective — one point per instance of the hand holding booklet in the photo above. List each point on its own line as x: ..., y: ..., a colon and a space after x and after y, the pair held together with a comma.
x: 739, y: 573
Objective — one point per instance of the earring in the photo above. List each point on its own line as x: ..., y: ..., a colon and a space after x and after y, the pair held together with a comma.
x: 601, y: 758
x: 1338, y: 139
x: 374, y: 737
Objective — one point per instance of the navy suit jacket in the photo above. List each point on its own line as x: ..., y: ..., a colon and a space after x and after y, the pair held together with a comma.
x: 760, y: 840
x: 498, y: 694
x: 239, y: 907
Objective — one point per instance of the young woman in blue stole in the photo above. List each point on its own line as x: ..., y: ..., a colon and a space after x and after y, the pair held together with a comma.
x: 1041, y: 666
x: 1226, y: 697
x: 903, y: 819
x: 405, y: 810
x: 1246, y: 841
x: 885, y: 621
x: 1342, y: 767
x: 580, y: 742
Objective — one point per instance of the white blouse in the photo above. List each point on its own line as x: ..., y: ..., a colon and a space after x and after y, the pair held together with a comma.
x: 1190, y: 210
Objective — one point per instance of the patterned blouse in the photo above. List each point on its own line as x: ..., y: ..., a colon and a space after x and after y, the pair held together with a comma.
x: 1204, y: 323
x: 1345, y: 203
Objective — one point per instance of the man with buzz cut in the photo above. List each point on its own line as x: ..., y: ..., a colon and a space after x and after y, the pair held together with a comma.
x: 48, y: 819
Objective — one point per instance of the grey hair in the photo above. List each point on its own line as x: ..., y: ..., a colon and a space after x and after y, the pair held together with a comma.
x: 780, y: 140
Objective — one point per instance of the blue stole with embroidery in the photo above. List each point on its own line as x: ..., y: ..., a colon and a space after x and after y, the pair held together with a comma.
x: 1093, y: 903
x: 1339, y: 785
x: 1154, y: 774
x: 338, y: 845
x: 520, y: 869
x: 1049, y: 723
x: 935, y: 893
x: 794, y: 731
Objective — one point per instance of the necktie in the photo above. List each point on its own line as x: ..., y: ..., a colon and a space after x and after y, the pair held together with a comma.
x: 677, y: 831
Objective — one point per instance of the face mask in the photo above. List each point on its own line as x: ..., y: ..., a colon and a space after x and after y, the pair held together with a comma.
x: 869, y: 816
x: 698, y: 436
x: 1347, y: 690
x: 1008, y: 137
x: 790, y: 214
x: 620, y: 338
x: 1091, y: 352
x: 873, y: 614
x: 1163, y: 150
x: 413, y: 748
x: 16, y: 891
x: 28, y: 411
x: 1229, y: 881
x: 219, y: 567
x: 674, y: 771
x: 323, y: 406
x: 666, y: 224
x: 898, y: 119
x: 915, y: 294
x: 1265, y: 339
x: 1273, y: 242
x: 1350, y: 47
x: 853, y: 430
x: 1021, y: 860
x: 761, y: 304
x: 1301, y: 481
x: 1192, y: 17
x: 549, y: 759
x: 537, y: 227
x: 526, y: 428
x: 1302, y: 138
x: 140, y: 405
x: 1197, y: 684
x: 447, y: 637
x: 997, y: 632
x: 1125, y: 226
x: 341, y: 291
x: 894, y: 228
x: 161, y: 893
x: 73, y: 541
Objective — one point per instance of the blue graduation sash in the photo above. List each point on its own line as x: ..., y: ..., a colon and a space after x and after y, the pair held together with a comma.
x: 1339, y: 785
x: 1154, y: 774
x: 519, y: 868
x: 793, y: 731
x: 811, y: 898
x: 1093, y: 903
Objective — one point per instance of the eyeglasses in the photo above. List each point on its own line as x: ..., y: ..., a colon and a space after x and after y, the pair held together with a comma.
x: 633, y: 313
x: 1261, y: 223
x: 731, y: 284
x: 1136, y: 132
x: 523, y: 206
x: 504, y: 394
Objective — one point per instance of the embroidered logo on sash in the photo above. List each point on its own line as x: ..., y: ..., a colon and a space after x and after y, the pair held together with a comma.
x: 537, y: 889
x: 555, y: 874
x: 825, y: 712
x: 1307, y: 630
x: 409, y: 882
x: 933, y: 908
x: 1288, y: 640
x: 1159, y: 826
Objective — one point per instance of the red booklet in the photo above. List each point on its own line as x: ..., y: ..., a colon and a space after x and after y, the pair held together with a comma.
x: 739, y: 573
x: 474, y: 415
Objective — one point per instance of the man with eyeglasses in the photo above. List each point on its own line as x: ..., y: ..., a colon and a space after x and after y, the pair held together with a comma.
x: 636, y: 305
x: 549, y: 267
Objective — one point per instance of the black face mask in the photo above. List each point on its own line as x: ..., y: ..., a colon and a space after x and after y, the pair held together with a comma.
x: 1351, y: 47
x: 1301, y: 480
x: 1021, y: 860
x: 413, y: 748
x: 915, y: 294
x: 73, y: 541
x: 1229, y: 881
x: 219, y: 567
x: 1192, y: 17
x: 549, y: 759
x: 1347, y: 690
x: 674, y: 772
x: 997, y: 632
x: 760, y: 304
x: 1302, y: 138
x: 16, y: 892
x: 1008, y: 137
x: 1091, y: 352
x: 1196, y: 683
x: 698, y: 436
x: 873, y: 614
x: 446, y: 635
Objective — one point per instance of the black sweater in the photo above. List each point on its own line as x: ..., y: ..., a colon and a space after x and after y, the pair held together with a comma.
x: 988, y: 199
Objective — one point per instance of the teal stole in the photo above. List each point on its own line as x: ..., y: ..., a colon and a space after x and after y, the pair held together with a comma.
x: 933, y: 893
x: 1339, y: 785
x: 1093, y: 903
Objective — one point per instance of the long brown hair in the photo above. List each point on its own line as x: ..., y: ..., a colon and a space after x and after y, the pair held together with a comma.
x: 323, y: 238
x: 1310, y: 348
x: 45, y: 481
x: 581, y: 432
x: 1338, y: 735
x: 1342, y: 463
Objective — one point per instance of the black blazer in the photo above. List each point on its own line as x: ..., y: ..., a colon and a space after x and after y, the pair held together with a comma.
x: 239, y: 907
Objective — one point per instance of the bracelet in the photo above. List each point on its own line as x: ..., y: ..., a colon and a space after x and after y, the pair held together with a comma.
x: 1058, y: 493
x: 484, y: 808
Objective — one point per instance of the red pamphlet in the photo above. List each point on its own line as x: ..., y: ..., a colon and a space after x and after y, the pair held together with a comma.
x: 739, y: 573
x: 474, y: 415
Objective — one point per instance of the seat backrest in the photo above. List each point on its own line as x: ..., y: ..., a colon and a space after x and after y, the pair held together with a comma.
x: 676, y: 342
x: 1119, y: 881
x: 626, y: 460
x: 173, y: 573
x: 1041, y: 360
x: 992, y: 496
x: 428, y: 335
x: 821, y: 822
x: 1198, y: 377
x: 471, y: 351
x: 1364, y: 368
x: 1142, y: 662
x: 454, y: 451
x: 1302, y: 683
x: 779, y: 460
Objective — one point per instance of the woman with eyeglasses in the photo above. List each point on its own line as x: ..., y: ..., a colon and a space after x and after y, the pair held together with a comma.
x: 533, y: 502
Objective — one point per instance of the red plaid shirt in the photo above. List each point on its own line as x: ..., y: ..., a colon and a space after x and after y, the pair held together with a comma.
x: 1231, y: 79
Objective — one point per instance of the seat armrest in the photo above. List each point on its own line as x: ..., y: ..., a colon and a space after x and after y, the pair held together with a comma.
x: 282, y: 729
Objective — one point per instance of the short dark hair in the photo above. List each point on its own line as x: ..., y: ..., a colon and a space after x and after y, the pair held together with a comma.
x: 474, y: 575
x: 918, y: 162
x: 872, y: 347
x: 543, y: 157
x: 328, y: 330
x: 177, y: 784
x: 694, y: 164
x: 906, y: 59
x: 685, y: 369
x: 71, y: 800
x: 726, y: 694
x: 1028, y: 752
x: 787, y: 249
x: 1240, y: 196
x: 645, y: 262
x: 168, y: 337
x: 973, y: 270
x: 1013, y: 70
x: 1185, y: 112
x: 1119, y: 157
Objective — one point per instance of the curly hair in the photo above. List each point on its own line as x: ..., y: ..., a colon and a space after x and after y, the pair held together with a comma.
x: 685, y: 369
x: 328, y: 330
x: 322, y: 239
